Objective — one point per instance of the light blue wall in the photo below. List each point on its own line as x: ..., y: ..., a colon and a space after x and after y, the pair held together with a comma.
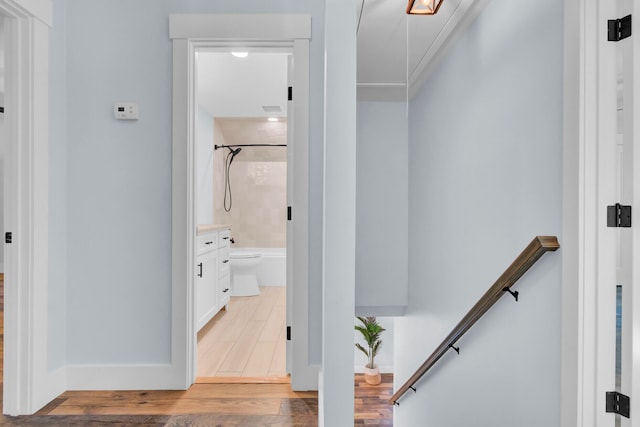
x: 204, y: 168
x: 119, y: 174
x: 485, y: 140
x: 381, y: 208
x: 57, y: 299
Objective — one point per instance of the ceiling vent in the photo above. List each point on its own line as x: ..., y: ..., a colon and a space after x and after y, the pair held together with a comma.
x: 271, y: 109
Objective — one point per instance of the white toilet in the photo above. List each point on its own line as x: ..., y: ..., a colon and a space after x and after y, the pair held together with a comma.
x: 244, y: 270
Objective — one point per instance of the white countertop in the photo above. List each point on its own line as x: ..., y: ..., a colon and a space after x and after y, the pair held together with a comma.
x: 208, y: 228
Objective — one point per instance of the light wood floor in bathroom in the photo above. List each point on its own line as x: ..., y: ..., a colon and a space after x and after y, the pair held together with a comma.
x: 246, y: 340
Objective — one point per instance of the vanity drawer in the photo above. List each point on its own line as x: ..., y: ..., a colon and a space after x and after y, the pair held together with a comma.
x: 206, y: 242
x: 224, y: 290
x: 223, y: 238
x: 223, y: 263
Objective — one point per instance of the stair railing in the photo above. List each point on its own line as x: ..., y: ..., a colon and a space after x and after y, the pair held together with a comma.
x: 532, y: 253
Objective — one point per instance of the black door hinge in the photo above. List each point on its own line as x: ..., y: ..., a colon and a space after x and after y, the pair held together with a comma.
x: 618, y: 216
x: 617, y: 403
x: 288, y: 213
x: 288, y: 333
x: 8, y: 237
x: 290, y: 93
x: 619, y: 29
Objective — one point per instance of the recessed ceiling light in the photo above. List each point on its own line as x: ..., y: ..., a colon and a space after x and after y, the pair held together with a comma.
x: 273, y: 119
x: 240, y: 54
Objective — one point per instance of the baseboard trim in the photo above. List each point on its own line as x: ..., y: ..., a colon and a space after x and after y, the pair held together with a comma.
x: 124, y: 377
x: 56, y: 384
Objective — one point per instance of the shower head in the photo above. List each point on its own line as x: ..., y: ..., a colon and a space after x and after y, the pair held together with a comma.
x: 233, y: 153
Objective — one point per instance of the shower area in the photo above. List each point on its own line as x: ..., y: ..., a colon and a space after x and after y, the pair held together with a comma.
x: 250, y: 189
x: 241, y: 181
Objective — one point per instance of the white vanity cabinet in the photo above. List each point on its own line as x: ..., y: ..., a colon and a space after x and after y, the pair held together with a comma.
x: 212, y: 272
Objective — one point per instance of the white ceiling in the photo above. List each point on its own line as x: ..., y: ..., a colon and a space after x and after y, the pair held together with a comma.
x: 240, y: 87
x: 390, y: 42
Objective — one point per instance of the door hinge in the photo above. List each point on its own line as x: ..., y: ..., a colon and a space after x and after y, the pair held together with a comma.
x: 617, y: 403
x: 288, y: 333
x: 8, y: 237
x: 288, y: 213
x: 290, y: 93
x: 618, y: 216
x: 619, y: 29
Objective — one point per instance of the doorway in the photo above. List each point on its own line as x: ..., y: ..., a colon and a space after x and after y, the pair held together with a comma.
x: 188, y: 33
x: 241, y: 181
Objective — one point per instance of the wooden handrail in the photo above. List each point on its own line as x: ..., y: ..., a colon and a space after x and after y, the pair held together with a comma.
x: 532, y: 253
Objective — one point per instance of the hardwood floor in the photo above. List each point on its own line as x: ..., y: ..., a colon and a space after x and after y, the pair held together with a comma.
x: 211, y: 404
x: 246, y: 340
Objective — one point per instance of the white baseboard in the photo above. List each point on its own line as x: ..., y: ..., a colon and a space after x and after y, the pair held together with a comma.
x: 124, y: 377
x: 56, y: 384
x: 384, y: 369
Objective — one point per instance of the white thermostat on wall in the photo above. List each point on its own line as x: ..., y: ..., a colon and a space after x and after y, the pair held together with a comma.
x: 126, y: 111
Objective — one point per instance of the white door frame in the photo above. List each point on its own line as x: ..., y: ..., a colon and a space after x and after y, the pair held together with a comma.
x: 187, y: 31
x: 28, y: 385
x: 589, y: 185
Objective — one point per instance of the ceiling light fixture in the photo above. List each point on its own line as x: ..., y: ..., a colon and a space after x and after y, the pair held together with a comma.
x: 240, y: 54
x: 423, y: 7
x: 273, y: 119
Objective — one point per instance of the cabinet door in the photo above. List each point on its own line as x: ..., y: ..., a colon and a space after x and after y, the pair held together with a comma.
x: 206, y: 295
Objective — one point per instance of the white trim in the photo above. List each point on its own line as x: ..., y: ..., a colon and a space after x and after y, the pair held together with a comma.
x: 259, y: 27
x: 188, y: 31
x: 38, y: 9
x: 589, y: 269
x: 335, y: 399
x: 28, y: 385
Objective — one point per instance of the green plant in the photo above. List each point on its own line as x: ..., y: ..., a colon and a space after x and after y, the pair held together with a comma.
x: 370, y: 330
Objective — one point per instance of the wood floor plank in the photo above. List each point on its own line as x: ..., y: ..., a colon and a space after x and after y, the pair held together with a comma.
x: 235, y: 403
x: 278, y: 365
x: 237, y: 358
x: 273, y: 326
x: 184, y: 406
x: 211, y: 359
x: 260, y: 359
x: 244, y: 380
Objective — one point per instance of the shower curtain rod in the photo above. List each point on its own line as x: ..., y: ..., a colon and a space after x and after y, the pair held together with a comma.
x: 249, y: 145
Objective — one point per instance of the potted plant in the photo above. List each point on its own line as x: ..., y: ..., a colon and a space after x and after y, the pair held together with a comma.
x: 370, y: 330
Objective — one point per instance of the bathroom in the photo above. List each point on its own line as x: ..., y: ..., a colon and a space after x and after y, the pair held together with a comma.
x: 241, y: 182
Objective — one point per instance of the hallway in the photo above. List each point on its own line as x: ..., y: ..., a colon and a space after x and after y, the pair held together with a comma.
x: 232, y: 404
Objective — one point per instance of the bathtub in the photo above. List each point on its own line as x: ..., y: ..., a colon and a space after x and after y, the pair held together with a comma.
x: 273, y: 268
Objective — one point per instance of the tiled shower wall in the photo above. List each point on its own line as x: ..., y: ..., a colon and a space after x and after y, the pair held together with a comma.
x: 259, y: 195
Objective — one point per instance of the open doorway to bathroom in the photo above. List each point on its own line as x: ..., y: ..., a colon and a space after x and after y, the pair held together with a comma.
x: 241, y: 186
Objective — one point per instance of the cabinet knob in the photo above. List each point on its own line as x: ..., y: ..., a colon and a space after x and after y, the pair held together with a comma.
x: 208, y: 243
x: 225, y: 290
x: 225, y: 261
x: 225, y: 238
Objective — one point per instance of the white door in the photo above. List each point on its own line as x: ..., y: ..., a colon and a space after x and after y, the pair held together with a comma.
x: 290, y: 183
x: 627, y: 286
